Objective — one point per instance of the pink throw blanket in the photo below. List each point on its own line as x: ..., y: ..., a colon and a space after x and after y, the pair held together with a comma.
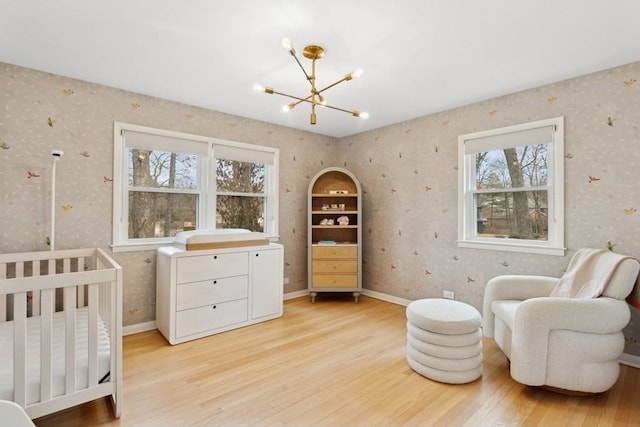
x: 588, y: 273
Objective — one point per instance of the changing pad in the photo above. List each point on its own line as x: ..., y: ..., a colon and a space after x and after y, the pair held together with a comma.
x: 219, y: 238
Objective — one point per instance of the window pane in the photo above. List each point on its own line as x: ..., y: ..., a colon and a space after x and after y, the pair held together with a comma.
x: 161, y: 214
x: 240, y: 212
x: 162, y: 169
x: 512, y: 167
x: 239, y: 177
x: 515, y: 215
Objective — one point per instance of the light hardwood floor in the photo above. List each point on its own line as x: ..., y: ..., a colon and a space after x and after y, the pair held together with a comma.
x: 332, y: 363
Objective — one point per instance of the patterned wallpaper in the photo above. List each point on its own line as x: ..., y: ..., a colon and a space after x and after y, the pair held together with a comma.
x: 408, y: 172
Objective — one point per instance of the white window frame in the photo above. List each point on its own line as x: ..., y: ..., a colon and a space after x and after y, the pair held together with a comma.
x: 206, y: 191
x: 467, y: 212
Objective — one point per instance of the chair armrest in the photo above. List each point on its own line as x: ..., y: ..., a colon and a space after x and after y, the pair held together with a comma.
x: 536, y: 318
x: 512, y: 287
x: 590, y: 315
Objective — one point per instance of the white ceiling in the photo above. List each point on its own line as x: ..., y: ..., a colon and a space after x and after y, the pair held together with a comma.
x: 419, y: 56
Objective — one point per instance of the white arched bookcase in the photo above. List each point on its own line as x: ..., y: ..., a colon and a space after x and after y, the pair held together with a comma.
x: 334, y: 233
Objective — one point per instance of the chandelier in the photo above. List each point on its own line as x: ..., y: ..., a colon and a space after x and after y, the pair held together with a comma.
x: 315, y: 98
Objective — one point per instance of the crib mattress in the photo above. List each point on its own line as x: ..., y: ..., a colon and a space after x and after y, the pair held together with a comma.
x: 219, y: 238
x: 33, y: 355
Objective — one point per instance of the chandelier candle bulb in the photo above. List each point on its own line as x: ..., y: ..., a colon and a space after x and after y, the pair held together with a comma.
x: 357, y: 73
x: 286, y: 43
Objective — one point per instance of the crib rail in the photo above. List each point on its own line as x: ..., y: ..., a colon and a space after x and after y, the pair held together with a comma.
x: 58, y: 282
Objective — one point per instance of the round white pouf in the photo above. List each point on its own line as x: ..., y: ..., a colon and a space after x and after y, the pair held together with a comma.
x: 444, y: 341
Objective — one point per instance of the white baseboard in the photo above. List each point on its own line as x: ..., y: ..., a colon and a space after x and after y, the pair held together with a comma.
x: 296, y: 294
x: 385, y: 297
x: 139, y: 327
x: 366, y: 292
x: 630, y: 360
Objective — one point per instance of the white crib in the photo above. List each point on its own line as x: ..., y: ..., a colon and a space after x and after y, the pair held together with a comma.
x: 60, y: 329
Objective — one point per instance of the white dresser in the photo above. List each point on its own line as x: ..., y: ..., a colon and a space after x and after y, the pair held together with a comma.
x: 204, y: 292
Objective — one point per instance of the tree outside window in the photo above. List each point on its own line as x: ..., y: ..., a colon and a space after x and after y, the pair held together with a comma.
x: 162, y: 201
x: 240, y: 201
x: 522, y: 212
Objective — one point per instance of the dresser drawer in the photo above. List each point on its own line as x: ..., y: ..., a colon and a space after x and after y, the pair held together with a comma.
x: 334, y: 252
x: 335, y: 280
x: 214, y: 316
x: 335, y: 266
x: 196, y: 294
x: 198, y: 268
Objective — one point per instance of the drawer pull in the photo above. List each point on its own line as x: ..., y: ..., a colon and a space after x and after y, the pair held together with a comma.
x: 215, y: 282
x: 215, y: 257
x: 214, y: 306
x: 257, y: 254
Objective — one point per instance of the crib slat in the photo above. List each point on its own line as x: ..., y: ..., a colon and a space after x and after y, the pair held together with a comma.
x: 70, y: 319
x: 46, y: 343
x: 20, y: 348
x: 35, y: 295
x: 3, y: 297
x: 93, y: 335
x: 20, y: 269
x: 81, y: 289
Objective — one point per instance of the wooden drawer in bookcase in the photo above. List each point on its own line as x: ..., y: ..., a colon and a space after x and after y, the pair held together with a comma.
x: 335, y: 252
x: 335, y: 266
x: 335, y: 280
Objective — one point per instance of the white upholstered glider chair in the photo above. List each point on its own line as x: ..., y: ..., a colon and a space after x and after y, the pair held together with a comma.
x: 564, y: 333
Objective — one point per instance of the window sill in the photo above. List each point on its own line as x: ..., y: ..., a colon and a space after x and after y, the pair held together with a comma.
x: 137, y: 247
x: 513, y: 247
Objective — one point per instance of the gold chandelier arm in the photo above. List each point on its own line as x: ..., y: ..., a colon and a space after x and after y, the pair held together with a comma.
x: 293, y: 53
x: 333, y: 84
x: 352, y: 112
x: 273, y: 91
x: 346, y: 78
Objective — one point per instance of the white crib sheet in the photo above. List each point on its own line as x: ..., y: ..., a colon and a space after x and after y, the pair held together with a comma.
x: 33, y: 355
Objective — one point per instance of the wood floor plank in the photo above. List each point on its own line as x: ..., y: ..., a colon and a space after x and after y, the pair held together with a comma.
x: 332, y: 363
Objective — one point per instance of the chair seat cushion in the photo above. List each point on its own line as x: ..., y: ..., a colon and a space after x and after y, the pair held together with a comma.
x: 505, y: 310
